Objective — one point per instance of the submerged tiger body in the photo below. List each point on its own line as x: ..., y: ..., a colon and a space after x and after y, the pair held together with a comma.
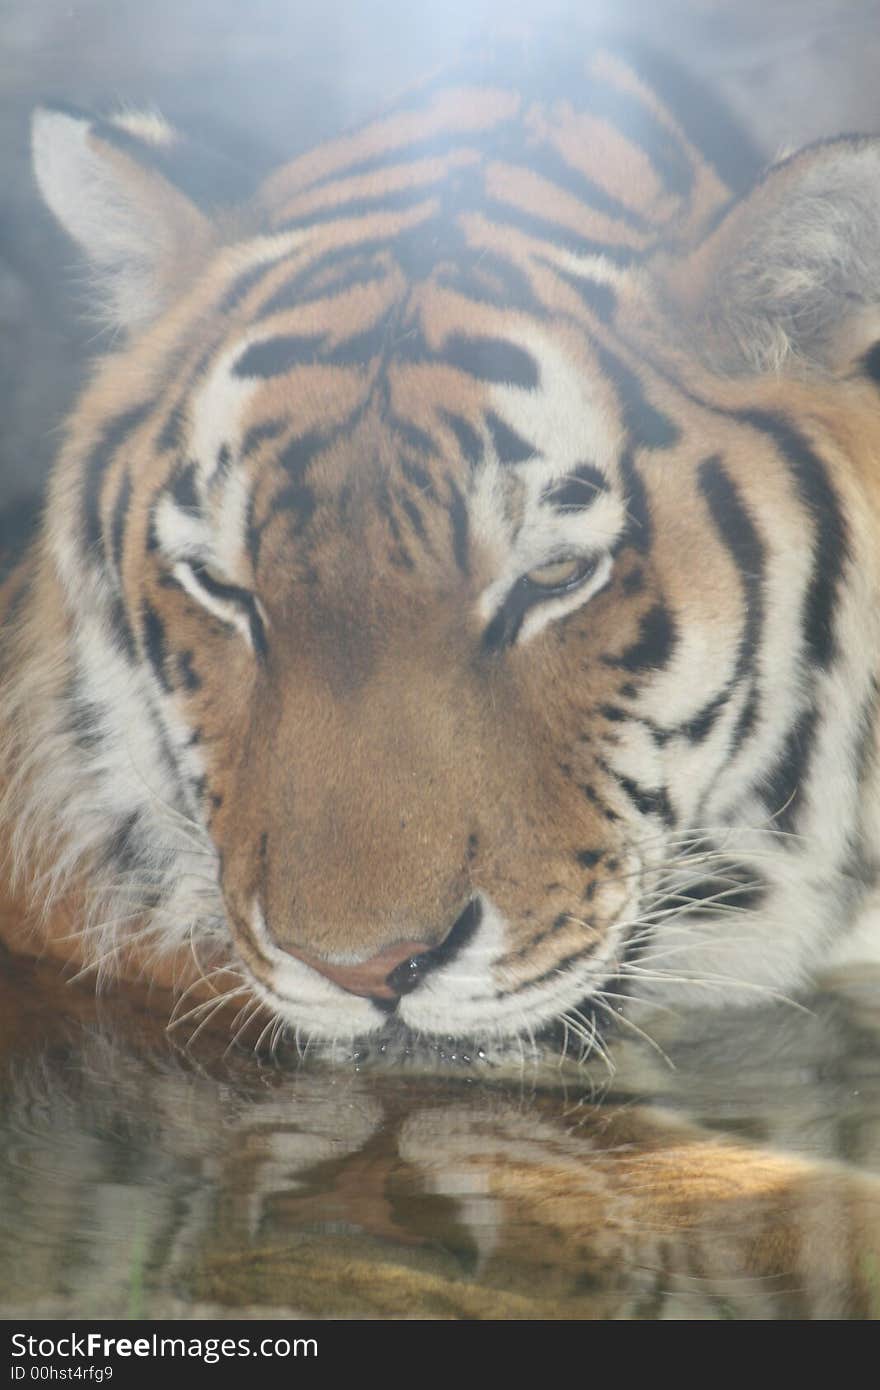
x: 456, y: 603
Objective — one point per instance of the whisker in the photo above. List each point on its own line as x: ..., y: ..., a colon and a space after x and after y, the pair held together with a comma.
x: 716, y: 982
x: 217, y: 1006
x: 249, y: 1015
x: 211, y: 1004
x: 269, y: 1028
x: 628, y: 1023
x: 204, y: 979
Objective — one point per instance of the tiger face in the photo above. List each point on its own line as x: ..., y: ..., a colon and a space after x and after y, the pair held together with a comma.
x: 455, y: 609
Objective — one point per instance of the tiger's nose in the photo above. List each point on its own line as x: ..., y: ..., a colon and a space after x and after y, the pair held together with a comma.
x: 386, y: 976
x: 398, y: 969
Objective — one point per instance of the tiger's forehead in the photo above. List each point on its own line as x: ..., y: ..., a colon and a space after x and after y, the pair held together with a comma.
x: 427, y: 331
x: 519, y: 117
x: 504, y: 422
x: 429, y: 247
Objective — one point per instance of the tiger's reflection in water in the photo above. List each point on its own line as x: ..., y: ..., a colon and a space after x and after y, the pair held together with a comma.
x: 135, y: 1181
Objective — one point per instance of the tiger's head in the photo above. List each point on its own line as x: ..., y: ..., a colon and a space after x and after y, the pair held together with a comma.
x: 456, y: 599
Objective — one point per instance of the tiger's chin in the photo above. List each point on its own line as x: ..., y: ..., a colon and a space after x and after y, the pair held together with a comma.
x: 578, y: 1036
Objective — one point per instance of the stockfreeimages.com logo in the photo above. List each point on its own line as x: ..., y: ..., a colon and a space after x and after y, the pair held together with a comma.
x: 94, y: 1346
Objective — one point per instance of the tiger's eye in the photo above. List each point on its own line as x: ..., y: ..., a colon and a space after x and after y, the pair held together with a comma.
x: 561, y: 574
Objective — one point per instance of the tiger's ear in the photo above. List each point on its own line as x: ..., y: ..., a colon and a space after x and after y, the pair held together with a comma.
x: 101, y: 179
x: 790, y: 279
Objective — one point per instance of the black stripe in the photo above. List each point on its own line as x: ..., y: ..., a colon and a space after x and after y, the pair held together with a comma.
x: 548, y: 75
x: 654, y: 646
x: 349, y: 277
x: 782, y: 784
x: 363, y: 347
x: 275, y: 356
x: 491, y: 359
x: 555, y: 970
x: 739, y: 534
x: 120, y: 517
x: 386, y: 509
x: 614, y: 713
x: 598, y: 297
x: 637, y: 123
x: 243, y: 284
x: 649, y: 803
x: 399, y: 157
x: 223, y: 464
x: 398, y: 201
x: 702, y: 723
x: 458, y: 515
x: 257, y: 434
x: 832, y: 539
x: 634, y: 581
x: 121, y: 630
x: 728, y: 885
x: 746, y: 721
x: 589, y: 858
x: 578, y: 490
x: 343, y: 258
x: 122, y: 849
x: 595, y: 799
x: 414, y: 438
x: 420, y: 250
x: 83, y: 717
x: 638, y: 512
x: 418, y: 476
x: 544, y: 229
x: 485, y: 277
x: 241, y: 598
x: 563, y: 919
x: 550, y: 165
x: 183, y: 487
x: 469, y: 442
x: 189, y: 676
x: 153, y: 631
x: 111, y: 440
x: 300, y: 500
x: 509, y: 446
x: 171, y: 434
x: 414, y: 515
x: 436, y: 241
x: 646, y: 425
x: 298, y: 454
x: 502, y: 631
x: 253, y: 532
x: 822, y: 504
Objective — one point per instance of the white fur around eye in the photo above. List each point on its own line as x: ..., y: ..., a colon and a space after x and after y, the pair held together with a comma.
x: 540, y: 615
x: 229, y: 611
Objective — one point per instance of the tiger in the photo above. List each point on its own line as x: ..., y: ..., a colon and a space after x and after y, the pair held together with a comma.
x: 452, y: 624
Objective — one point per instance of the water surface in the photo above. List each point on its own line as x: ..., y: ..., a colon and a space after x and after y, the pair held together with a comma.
x: 731, y: 1169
